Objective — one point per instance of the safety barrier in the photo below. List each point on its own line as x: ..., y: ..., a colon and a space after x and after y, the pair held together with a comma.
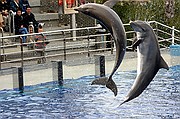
x: 166, y: 35
x: 57, y: 72
x: 65, y: 43
x: 62, y: 44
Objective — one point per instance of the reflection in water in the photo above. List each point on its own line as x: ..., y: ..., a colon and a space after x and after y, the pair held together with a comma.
x: 78, y: 99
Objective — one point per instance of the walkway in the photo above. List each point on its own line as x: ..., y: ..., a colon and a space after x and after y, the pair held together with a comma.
x: 80, y: 67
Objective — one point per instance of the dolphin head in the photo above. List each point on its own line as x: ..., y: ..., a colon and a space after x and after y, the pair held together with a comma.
x: 140, y: 27
x: 87, y: 9
x: 142, y: 30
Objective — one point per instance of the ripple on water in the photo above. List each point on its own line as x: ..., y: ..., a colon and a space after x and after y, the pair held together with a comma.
x: 78, y: 99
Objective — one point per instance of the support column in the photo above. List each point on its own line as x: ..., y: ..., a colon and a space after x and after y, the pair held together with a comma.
x: 18, y: 78
x: 73, y: 26
x: 100, y: 65
x: 57, y: 69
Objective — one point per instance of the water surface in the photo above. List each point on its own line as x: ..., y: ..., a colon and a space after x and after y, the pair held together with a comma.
x: 77, y: 99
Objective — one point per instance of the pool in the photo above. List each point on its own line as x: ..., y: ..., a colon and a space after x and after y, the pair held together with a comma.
x: 77, y: 99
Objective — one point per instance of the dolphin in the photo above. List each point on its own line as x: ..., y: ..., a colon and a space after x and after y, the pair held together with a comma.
x: 149, y: 58
x: 110, y: 21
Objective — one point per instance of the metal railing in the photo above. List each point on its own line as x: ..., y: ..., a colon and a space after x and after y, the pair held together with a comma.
x: 166, y: 35
x: 11, y: 24
x: 61, y: 43
x: 2, y: 44
x: 64, y: 43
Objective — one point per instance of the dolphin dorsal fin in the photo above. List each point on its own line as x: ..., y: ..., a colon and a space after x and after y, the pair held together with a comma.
x: 111, y: 3
x: 163, y: 64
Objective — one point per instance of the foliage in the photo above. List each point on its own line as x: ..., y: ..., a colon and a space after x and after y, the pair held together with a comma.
x: 149, y: 11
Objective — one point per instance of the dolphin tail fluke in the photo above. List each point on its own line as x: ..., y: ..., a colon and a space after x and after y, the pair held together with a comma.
x: 111, y: 3
x: 100, y: 81
x: 108, y: 82
x: 112, y: 86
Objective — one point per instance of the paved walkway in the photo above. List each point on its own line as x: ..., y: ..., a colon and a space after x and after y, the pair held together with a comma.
x: 77, y: 71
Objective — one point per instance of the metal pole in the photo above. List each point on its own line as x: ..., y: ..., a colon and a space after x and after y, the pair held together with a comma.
x: 100, y: 65
x: 2, y: 31
x: 112, y: 45
x: 64, y: 41
x: 156, y: 28
x: 13, y: 24
x: 73, y: 23
x: 9, y: 21
x: 22, y: 55
x: 88, y: 43
x: 173, y: 35
x: 0, y: 55
x: 57, y: 70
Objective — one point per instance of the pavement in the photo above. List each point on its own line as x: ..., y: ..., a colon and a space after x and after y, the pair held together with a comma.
x: 78, y: 67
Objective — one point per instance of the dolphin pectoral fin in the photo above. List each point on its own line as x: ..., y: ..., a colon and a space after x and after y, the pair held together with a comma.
x: 163, y: 64
x: 112, y: 86
x: 110, y: 3
x: 136, y: 42
x: 100, y: 81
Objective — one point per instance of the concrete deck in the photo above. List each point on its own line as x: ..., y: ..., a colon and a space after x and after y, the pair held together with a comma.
x: 83, y: 69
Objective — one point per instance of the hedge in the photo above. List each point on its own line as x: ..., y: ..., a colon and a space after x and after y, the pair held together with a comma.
x: 149, y: 11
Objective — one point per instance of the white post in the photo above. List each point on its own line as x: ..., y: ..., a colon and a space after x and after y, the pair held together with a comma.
x: 172, y: 35
x: 74, y: 26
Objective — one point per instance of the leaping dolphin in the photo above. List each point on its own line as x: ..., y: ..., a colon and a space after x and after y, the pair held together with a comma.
x: 149, y: 58
x: 111, y: 21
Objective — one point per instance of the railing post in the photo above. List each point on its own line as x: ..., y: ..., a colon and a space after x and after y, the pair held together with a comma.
x: 57, y: 69
x: 22, y: 55
x: 173, y: 35
x: 73, y: 25
x: 0, y: 54
x: 112, y: 45
x: 64, y: 41
x: 11, y: 23
x: 156, y: 28
x: 44, y: 45
x: 100, y: 65
x: 18, y: 79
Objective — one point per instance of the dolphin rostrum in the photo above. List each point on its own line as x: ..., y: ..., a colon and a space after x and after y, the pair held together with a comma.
x: 149, y: 58
x: 111, y: 21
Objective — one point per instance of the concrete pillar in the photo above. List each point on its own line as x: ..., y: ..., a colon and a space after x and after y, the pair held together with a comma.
x: 18, y: 78
x: 57, y: 69
x: 100, y: 66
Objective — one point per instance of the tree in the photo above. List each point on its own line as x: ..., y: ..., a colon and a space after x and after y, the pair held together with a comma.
x: 169, y: 8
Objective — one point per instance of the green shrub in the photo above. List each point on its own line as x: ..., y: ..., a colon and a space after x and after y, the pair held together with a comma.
x: 149, y: 11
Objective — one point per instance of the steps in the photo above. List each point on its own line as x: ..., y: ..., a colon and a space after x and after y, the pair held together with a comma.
x: 35, y: 4
x: 51, y: 20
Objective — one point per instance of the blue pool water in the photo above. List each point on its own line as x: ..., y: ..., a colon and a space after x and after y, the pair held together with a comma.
x: 77, y: 99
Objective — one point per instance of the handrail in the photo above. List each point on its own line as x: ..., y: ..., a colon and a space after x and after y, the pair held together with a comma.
x: 49, y: 32
x: 87, y: 46
x: 163, y: 25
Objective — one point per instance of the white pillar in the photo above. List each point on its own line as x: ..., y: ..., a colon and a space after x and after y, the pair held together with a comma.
x: 73, y: 23
x: 172, y: 35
